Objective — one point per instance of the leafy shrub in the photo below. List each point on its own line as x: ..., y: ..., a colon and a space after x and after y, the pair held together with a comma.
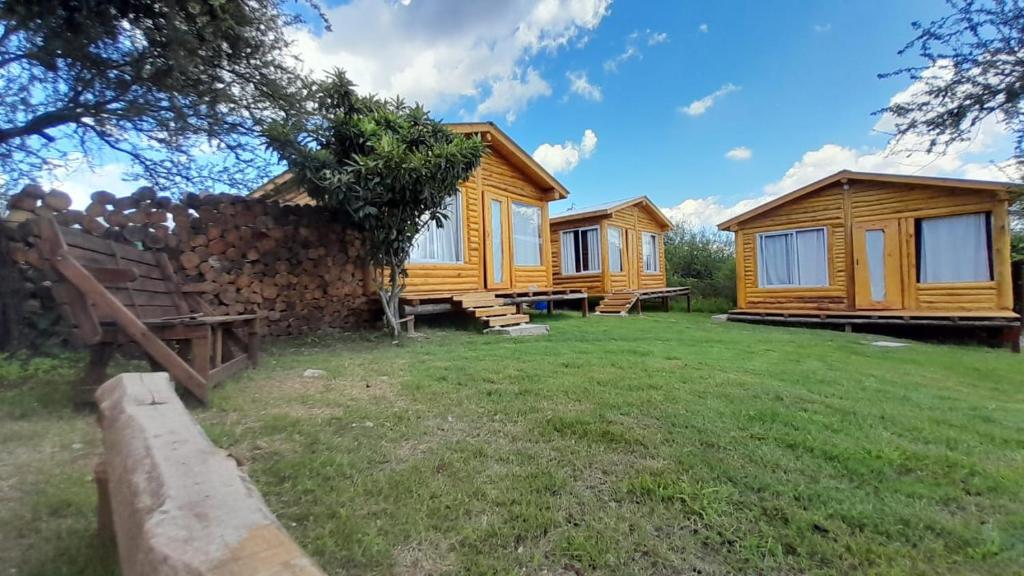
x: 705, y: 260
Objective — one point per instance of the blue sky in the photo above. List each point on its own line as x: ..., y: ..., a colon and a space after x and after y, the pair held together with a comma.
x: 619, y: 98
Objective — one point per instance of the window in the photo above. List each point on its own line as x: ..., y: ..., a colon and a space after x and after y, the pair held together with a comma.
x: 526, y: 234
x: 441, y: 244
x: 792, y: 258
x: 614, y: 249
x: 955, y: 248
x: 581, y: 251
x: 651, y: 260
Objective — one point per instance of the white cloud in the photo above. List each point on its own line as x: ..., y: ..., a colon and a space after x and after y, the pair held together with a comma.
x: 655, y: 38
x: 906, y: 157
x: 80, y: 180
x: 562, y: 158
x: 444, y: 52
x: 703, y: 28
x: 510, y: 95
x: 821, y: 28
x: 739, y: 153
x: 632, y: 49
x: 702, y: 105
x: 579, y: 84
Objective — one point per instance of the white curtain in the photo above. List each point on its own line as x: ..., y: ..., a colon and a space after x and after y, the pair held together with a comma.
x: 812, y: 264
x: 874, y: 241
x: 497, y: 234
x: 568, y: 253
x: 650, y: 252
x: 614, y: 249
x: 593, y: 250
x: 441, y: 243
x: 955, y: 249
x: 774, y: 263
x: 526, y: 234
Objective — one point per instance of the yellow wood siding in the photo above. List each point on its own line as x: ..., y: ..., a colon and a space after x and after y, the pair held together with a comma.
x: 820, y: 209
x: 496, y: 176
x: 876, y: 202
x: 635, y: 218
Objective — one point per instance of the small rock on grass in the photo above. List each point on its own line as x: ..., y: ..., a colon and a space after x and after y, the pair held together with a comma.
x: 310, y: 373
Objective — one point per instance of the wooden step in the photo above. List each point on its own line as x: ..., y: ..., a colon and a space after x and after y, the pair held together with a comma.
x: 493, y: 311
x: 619, y: 299
x: 473, y: 296
x: 612, y: 309
x: 473, y: 304
x: 509, y: 320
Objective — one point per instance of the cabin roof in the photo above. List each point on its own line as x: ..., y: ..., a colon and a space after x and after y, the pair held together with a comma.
x: 607, y: 208
x: 848, y: 175
x: 495, y: 139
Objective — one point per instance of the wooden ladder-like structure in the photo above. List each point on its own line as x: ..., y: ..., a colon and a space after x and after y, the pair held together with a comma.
x: 489, y: 310
x: 618, y: 303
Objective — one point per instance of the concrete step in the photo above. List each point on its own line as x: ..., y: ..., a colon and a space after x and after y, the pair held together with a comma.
x: 495, y: 321
x: 493, y: 311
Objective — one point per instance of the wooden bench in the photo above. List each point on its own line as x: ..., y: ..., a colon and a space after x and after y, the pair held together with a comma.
x: 113, y: 293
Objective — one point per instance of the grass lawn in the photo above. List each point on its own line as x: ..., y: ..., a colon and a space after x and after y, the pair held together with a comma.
x: 663, y: 444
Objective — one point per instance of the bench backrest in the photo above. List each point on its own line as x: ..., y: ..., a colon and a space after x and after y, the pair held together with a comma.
x: 143, y: 281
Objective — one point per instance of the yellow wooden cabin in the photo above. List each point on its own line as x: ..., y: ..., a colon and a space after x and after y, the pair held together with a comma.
x: 496, y: 238
x: 878, y: 246
x: 612, y: 247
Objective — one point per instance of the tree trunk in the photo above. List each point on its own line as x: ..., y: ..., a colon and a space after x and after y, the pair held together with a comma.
x: 389, y: 299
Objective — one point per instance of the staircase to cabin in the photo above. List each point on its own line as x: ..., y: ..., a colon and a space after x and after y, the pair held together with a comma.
x: 617, y: 303
x: 489, y: 310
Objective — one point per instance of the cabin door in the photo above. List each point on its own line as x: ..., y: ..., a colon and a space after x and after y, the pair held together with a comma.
x: 496, y: 240
x: 876, y: 263
x: 632, y: 259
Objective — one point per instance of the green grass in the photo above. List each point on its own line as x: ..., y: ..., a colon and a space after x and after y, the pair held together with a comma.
x: 663, y: 444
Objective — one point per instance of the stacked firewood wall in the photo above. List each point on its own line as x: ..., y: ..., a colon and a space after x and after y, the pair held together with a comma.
x: 295, y: 263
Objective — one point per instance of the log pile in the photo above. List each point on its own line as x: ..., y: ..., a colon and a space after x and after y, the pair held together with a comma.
x: 295, y: 263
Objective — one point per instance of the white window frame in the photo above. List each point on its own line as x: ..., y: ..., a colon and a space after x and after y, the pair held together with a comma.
x: 460, y: 222
x: 561, y: 237
x: 622, y: 254
x: 540, y: 234
x: 657, y: 252
x: 791, y: 232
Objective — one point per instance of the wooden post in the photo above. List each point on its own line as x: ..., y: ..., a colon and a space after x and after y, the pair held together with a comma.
x: 104, y: 512
x: 639, y: 307
x: 253, y: 343
x: 665, y: 302
x: 551, y: 307
x: 95, y: 373
x: 688, y: 302
x: 200, y: 348
x: 586, y: 306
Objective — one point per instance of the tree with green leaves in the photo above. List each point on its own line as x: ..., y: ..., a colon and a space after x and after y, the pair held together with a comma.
x: 182, y: 89
x: 388, y: 169
x: 973, y: 70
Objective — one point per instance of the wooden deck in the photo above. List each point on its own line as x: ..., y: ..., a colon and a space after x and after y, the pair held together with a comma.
x: 1004, y: 321
x: 443, y: 302
x: 619, y: 303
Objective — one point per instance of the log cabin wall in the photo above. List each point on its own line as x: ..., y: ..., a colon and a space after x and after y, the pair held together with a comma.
x: 293, y: 262
x: 496, y: 178
x: 634, y: 220
x: 866, y: 201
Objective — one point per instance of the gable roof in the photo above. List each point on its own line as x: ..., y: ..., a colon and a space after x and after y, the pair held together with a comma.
x: 280, y: 187
x: 607, y: 208
x: 848, y: 175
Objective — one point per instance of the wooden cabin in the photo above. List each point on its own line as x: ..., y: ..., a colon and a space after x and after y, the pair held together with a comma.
x: 878, y: 246
x: 613, y: 248
x: 500, y: 239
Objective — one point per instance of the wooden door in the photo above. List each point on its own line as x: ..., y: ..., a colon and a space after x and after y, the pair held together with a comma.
x: 876, y: 264
x: 496, y: 242
x: 632, y: 262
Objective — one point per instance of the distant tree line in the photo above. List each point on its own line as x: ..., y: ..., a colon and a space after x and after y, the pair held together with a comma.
x: 705, y: 260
